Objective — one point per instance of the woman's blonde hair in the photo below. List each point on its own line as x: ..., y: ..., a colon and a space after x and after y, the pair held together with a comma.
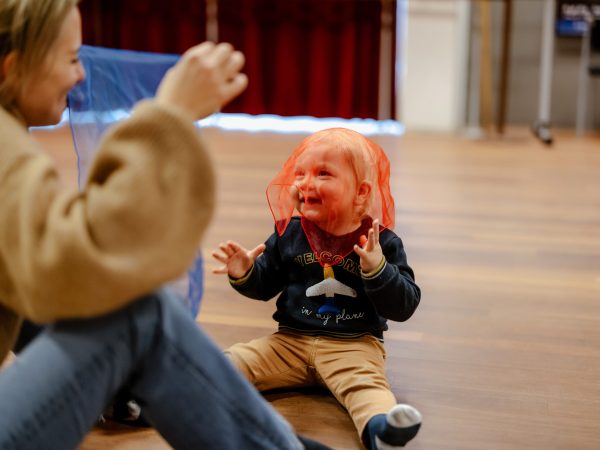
x: 29, y: 28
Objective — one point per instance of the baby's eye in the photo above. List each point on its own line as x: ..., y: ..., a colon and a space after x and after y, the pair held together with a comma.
x: 299, y: 175
x: 324, y: 173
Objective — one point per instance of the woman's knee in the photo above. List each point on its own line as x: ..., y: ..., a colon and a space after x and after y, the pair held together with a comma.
x: 160, y: 306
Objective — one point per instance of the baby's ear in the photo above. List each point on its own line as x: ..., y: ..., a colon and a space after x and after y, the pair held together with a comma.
x: 363, y: 192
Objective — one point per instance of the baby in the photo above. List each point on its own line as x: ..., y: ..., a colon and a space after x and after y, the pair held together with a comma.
x: 340, y: 273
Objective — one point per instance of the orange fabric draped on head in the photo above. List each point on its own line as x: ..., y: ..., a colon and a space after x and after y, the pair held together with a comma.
x: 365, y: 159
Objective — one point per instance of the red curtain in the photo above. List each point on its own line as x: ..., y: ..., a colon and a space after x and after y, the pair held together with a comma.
x: 306, y: 57
x: 144, y: 25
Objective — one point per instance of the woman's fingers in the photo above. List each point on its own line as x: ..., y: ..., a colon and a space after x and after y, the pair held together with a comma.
x: 205, y: 78
x: 232, y: 63
x: 220, y: 55
x: 234, y: 87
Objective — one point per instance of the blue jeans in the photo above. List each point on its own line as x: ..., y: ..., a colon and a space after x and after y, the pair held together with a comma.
x: 51, y: 396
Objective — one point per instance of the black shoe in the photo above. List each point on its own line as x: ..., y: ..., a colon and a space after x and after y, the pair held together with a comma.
x: 126, y: 412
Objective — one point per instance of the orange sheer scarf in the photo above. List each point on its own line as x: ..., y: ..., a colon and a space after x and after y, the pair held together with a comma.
x: 369, y: 164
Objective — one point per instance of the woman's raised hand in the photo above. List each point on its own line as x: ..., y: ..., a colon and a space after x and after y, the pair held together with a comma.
x: 205, y: 79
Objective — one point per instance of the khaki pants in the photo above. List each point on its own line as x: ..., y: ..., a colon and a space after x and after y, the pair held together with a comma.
x: 352, y: 369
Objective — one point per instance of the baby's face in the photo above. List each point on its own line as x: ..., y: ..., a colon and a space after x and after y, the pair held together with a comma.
x: 327, y: 188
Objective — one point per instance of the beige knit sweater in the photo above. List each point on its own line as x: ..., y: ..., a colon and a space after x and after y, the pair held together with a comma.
x: 136, y: 224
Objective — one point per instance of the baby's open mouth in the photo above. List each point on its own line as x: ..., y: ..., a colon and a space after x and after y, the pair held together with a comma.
x: 310, y: 200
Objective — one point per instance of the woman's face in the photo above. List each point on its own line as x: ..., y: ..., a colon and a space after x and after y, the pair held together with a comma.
x: 44, y: 95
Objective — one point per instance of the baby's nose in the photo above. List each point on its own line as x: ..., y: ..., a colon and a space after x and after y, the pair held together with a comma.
x: 308, y: 180
x: 302, y: 183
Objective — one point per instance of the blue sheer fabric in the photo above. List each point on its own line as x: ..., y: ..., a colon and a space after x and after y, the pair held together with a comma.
x: 115, y: 81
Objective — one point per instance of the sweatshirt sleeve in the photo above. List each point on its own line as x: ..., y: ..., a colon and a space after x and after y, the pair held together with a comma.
x: 136, y: 224
x: 267, y: 277
x: 393, y: 290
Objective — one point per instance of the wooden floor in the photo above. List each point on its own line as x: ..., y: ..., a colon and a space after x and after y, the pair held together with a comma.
x: 504, y: 237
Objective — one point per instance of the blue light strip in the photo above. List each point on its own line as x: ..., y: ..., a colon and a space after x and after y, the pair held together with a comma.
x: 273, y: 123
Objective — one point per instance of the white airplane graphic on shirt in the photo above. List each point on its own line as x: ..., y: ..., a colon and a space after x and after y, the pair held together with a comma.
x: 329, y: 286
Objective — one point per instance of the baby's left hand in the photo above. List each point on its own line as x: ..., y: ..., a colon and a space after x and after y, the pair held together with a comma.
x: 370, y: 253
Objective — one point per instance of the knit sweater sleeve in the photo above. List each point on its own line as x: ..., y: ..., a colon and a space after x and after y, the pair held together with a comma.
x: 136, y: 223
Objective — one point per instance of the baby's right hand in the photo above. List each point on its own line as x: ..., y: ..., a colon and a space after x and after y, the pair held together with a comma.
x: 236, y: 259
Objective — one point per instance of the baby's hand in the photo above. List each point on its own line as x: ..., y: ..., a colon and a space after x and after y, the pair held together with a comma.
x: 295, y: 194
x: 370, y: 251
x: 236, y: 259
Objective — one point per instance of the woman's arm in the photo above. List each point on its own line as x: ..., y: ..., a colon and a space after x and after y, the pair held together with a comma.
x: 136, y: 224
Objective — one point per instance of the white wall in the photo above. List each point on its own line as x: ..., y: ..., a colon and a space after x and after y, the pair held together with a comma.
x: 434, y: 51
x: 438, y: 49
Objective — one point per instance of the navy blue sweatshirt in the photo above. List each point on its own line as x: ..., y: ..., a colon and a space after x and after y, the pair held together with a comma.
x: 336, y: 300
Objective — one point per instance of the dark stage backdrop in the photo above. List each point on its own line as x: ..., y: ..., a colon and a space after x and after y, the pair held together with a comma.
x: 304, y: 57
x: 163, y: 26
